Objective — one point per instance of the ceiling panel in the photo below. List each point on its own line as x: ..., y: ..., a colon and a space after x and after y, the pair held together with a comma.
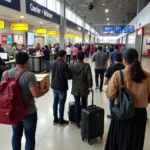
x: 120, y: 11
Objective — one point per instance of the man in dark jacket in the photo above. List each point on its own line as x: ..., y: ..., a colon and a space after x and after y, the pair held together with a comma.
x: 82, y: 83
x: 59, y: 84
x: 47, y: 58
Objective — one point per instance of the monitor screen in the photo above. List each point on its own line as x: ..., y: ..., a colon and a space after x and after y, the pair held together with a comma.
x: 32, y: 51
x: 4, y: 56
x: 108, y: 29
x: 129, y: 29
x: 148, y: 41
x: 30, y: 38
x: 118, y: 29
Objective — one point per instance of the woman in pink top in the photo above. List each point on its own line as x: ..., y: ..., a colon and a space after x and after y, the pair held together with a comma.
x: 75, y: 51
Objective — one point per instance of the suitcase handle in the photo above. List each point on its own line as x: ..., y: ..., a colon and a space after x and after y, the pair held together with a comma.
x: 92, y: 106
x: 93, y: 98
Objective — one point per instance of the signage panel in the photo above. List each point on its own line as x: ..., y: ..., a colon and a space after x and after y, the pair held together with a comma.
x: 13, y: 4
x: 2, y: 24
x: 51, y: 32
x: 41, y: 30
x: 6, y: 38
x: 108, y: 29
x: 19, y: 27
x: 35, y: 9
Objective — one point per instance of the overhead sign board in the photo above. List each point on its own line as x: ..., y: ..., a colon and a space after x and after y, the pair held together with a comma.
x: 19, y: 27
x: 35, y: 9
x: 41, y: 30
x: 13, y: 4
x: 2, y: 24
x: 51, y: 32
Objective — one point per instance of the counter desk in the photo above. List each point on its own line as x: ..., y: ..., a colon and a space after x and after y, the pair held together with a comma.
x: 36, y: 63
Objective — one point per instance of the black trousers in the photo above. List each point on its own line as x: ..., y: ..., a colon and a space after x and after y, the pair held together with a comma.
x: 101, y: 73
x: 77, y: 106
x: 68, y: 58
x: 74, y: 59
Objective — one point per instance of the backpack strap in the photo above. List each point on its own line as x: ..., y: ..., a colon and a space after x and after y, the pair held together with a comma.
x: 122, y: 78
x: 19, y: 74
x: 6, y: 75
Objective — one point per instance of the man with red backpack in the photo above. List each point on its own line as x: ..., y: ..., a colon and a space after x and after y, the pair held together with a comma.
x: 19, y: 108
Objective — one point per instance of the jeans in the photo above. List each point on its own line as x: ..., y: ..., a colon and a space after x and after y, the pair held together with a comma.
x: 101, y: 73
x: 47, y: 64
x: 77, y: 106
x: 74, y: 59
x: 68, y: 58
x: 59, y: 98
x: 111, y: 105
x: 28, y: 124
x: 92, y: 54
x: 87, y: 53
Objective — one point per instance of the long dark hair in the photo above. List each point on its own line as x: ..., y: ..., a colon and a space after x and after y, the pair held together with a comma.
x: 137, y: 73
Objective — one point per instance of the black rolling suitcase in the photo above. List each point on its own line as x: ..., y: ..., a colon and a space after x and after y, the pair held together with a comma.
x: 92, y: 122
x: 71, y: 111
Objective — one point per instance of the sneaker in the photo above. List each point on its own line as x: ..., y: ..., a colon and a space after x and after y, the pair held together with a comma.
x: 56, y: 121
x: 77, y: 125
x: 97, y: 88
x: 101, y: 90
x: 63, y: 122
x: 109, y: 116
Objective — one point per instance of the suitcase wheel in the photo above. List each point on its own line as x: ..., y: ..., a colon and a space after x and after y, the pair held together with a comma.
x: 83, y: 139
x: 101, y: 138
x: 89, y: 142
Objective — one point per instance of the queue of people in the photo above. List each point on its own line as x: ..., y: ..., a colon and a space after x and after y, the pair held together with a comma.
x: 126, y: 134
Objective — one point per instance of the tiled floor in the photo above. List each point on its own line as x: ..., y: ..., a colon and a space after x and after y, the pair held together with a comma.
x: 49, y: 137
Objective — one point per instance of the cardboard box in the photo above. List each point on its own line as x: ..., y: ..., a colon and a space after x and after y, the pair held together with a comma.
x: 42, y: 79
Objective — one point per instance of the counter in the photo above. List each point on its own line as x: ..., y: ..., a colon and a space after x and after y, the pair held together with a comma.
x: 36, y: 63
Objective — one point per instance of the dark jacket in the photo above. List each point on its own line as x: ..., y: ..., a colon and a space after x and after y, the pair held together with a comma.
x: 60, y: 75
x: 81, y: 78
x: 47, y: 54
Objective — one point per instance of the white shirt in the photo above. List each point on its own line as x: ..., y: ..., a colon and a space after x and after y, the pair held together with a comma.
x: 68, y: 50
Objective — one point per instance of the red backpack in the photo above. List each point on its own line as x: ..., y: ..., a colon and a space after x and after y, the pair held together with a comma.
x: 12, y: 110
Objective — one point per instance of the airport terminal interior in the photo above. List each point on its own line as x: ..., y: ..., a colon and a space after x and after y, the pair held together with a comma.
x: 32, y: 24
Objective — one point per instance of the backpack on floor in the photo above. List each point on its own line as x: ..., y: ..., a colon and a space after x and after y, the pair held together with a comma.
x: 12, y: 110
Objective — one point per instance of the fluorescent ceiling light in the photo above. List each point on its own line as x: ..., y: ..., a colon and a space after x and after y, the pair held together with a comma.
x: 22, y: 17
x: 108, y: 24
x: 41, y: 22
x: 107, y: 18
x: 103, y: 4
x: 106, y: 10
x: 57, y: 27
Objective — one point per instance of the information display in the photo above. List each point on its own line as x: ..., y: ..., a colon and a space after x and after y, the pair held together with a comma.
x: 6, y: 38
x: 19, y: 39
x: 108, y: 29
x: 129, y: 29
x: 19, y: 27
x: 2, y: 24
x: 118, y: 29
x: 148, y: 41
x: 40, y: 30
x: 30, y: 38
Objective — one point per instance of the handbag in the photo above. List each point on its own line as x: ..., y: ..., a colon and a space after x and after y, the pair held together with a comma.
x: 124, y: 109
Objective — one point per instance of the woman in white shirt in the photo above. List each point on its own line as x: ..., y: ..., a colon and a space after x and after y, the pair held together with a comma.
x: 69, y: 51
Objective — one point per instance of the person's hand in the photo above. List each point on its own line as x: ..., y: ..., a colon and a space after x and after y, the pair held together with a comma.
x: 46, y: 87
x: 90, y: 90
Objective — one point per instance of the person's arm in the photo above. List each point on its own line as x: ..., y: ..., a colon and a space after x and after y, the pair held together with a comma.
x: 68, y: 72
x: 106, y: 63
x: 90, y: 78
x: 35, y: 91
x: 113, y: 87
x: 93, y: 58
x: 107, y: 76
